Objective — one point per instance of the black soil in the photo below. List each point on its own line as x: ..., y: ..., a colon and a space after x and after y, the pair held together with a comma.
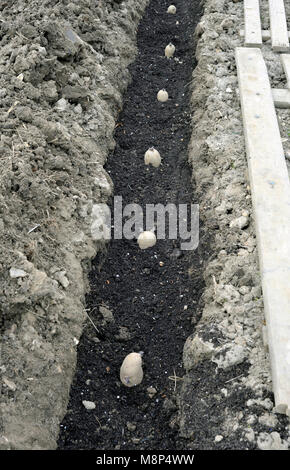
x: 152, y: 293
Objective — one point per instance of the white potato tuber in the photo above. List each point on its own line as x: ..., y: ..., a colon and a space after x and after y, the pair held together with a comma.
x: 171, y: 9
x: 162, y: 95
x: 169, y: 50
x: 152, y: 156
x: 131, y: 372
x: 146, y: 239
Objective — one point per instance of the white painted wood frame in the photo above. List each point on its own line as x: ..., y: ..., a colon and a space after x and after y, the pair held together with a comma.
x: 278, y: 26
x: 270, y: 190
x: 253, y: 33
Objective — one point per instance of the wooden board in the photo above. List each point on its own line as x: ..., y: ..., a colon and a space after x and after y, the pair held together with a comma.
x: 278, y: 25
x: 286, y: 66
x: 281, y: 97
x: 253, y: 35
x: 266, y: 34
x: 270, y: 189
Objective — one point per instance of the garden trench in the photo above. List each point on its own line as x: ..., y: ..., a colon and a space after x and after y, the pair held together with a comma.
x: 64, y: 75
x: 151, y: 297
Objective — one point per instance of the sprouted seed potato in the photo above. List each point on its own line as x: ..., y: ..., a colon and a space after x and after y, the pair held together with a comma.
x: 146, y: 239
x: 169, y: 50
x: 162, y: 95
x: 131, y: 372
x: 152, y: 156
x: 171, y: 9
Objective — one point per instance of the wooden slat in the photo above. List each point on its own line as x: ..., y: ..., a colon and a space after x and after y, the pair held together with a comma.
x: 278, y: 25
x: 253, y: 35
x: 271, y: 204
x: 281, y: 97
x: 286, y: 66
x: 266, y: 34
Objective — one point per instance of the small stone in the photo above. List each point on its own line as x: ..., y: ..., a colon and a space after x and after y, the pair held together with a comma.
x: 106, y: 313
x: 135, y: 440
x: 230, y: 355
x: 196, y: 350
x: 250, y: 402
x: 241, y: 222
x: 244, y: 290
x: 218, y: 438
x: 15, y: 272
x: 124, y: 334
x: 250, y: 435
x: 200, y: 28
x: 61, y: 104
x: 271, y: 441
x: 9, y: 384
x: 89, y: 405
x: 267, y: 403
x: 269, y: 420
x: 251, y: 419
x: 60, y: 276
x: 78, y: 109
x: 131, y: 426
x: 151, y: 391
